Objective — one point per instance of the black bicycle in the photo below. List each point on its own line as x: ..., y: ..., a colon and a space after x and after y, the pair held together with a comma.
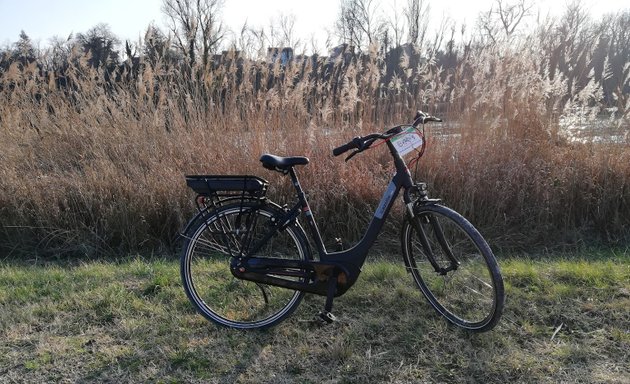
x: 247, y: 263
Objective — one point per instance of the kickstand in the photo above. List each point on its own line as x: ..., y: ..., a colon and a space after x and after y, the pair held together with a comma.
x: 326, y: 315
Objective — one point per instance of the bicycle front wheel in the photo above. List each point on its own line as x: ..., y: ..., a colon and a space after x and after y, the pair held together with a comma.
x: 454, y: 267
x: 209, y: 247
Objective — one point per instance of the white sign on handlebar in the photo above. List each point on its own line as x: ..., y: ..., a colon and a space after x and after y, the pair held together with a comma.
x: 407, y: 141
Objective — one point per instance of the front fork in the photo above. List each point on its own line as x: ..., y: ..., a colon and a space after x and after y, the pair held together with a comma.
x: 418, y: 223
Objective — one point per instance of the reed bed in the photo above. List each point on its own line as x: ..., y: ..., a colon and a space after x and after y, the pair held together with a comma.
x: 95, y: 166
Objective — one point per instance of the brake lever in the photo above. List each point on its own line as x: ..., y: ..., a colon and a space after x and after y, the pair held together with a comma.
x: 353, y: 154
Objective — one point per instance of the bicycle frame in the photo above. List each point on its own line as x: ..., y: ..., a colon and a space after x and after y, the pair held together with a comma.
x: 343, y: 266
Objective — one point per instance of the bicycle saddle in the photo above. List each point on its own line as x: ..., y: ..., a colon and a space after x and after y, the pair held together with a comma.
x: 278, y: 163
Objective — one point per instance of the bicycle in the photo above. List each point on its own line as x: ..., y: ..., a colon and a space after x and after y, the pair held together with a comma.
x: 246, y: 261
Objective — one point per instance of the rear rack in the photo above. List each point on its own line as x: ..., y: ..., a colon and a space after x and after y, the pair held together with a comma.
x: 213, y: 184
x: 216, y: 190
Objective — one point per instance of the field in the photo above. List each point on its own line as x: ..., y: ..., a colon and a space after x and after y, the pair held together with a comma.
x: 94, y: 149
x: 128, y: 320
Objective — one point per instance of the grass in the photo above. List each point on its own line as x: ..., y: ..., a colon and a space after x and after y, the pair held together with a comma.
x: 128, y: 320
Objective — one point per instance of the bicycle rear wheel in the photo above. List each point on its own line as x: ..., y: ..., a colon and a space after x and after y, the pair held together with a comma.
x: 454, y: 267
x: 209, y: 247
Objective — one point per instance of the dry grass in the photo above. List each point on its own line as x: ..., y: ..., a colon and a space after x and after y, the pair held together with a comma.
x: 97, y: 167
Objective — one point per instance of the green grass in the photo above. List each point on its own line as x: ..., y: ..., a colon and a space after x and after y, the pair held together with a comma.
x: 567, y: 319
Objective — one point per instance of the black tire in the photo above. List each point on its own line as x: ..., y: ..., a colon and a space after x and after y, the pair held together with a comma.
x: 208, y: 248
x: 471, y: 296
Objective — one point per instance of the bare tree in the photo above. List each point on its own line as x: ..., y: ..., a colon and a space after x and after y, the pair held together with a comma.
x: 102, y: 45
x: 250, y: 41
x: 314, y: 45
x: 397, y: 25
x: 210, y: 27
x: 417, y: 13
x: 359, y: 23
x: 503, y: 18
x: 446, y: 24
x: 511, y: 15
x: 347, y: 25
x: 183, y: 24
x: 58, y: 53
x: 23, y: 49
x: 288, y: 37
x: 196, y: 26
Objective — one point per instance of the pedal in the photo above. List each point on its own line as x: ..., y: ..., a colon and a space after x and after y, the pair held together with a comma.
x: 327, y: 317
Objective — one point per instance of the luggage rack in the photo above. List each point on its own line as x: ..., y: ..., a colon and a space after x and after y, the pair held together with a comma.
x: 216, y: 190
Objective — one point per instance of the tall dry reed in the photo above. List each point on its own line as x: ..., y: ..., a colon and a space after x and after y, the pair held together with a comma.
x: 97, y: 166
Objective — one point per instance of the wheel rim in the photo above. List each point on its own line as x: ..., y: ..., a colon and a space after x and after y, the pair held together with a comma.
x: 220, y: 296
x: 467, y: 295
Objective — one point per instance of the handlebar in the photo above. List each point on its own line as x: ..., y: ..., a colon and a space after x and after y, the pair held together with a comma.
x: 424, y: 118
x: 355, y: 143
x: 363, y: 143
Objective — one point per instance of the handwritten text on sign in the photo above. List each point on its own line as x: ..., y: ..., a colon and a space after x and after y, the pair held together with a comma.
x: 407, y: 141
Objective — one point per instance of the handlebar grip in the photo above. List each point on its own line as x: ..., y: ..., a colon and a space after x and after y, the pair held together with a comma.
x: 422, y: 118
x: 346, y: 147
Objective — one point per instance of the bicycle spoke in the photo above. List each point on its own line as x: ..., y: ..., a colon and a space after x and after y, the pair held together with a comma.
x: 209, y: 282
x: 456, y: 276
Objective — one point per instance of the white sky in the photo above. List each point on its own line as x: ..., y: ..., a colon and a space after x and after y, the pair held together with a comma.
x: 128, y: 19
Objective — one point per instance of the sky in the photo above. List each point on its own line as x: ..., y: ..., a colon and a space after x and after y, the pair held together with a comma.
x: 128, y: 19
